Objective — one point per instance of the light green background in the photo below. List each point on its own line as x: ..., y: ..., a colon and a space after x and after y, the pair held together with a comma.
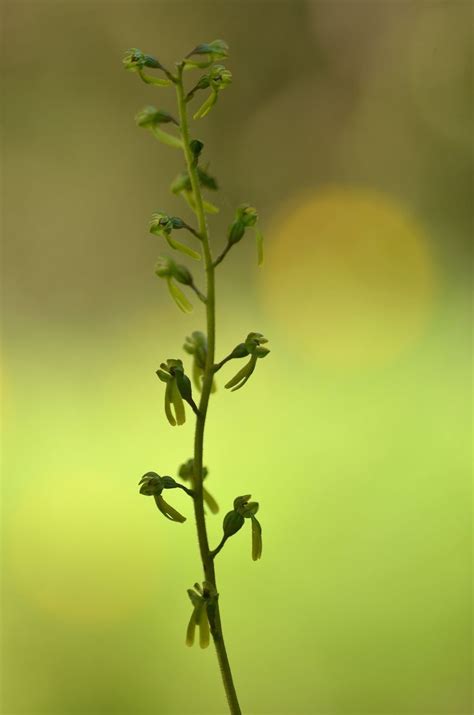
x: 361, y: 602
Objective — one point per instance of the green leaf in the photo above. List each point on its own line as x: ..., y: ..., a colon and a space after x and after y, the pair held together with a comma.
x: 179, y: 298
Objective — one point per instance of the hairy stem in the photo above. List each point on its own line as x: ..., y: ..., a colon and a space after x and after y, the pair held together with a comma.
x: 206, y: 558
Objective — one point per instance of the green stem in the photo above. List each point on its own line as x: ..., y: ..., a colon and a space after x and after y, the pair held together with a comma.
x: 206, y: 558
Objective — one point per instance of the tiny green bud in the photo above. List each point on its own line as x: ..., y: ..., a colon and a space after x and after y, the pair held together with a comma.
x: 166, y: 268
x: 233, y: 522
x: 239, y: 351
x: 236, y: 232
x: 184, y: 387
x: 196, y: 148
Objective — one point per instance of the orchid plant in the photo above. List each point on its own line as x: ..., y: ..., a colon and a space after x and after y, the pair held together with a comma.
x: 179, y: 389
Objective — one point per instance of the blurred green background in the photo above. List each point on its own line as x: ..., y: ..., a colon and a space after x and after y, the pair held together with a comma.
x: 348, y: 126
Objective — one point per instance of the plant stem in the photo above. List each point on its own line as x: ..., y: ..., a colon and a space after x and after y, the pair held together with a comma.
x: 206, y: 558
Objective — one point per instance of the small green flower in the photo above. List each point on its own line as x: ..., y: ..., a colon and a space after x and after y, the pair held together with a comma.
x: 245, y: 217
x: 163, y: 225
x: 151, y: 484
x: 170, y: 271
x: 135, y: 60
x: 151, y: 118
x: 234, y: 521
x: 202, y: 599
x: 186, y: 472
x: 196, y: 345
x: 217, y: 79
x: 178, y: 387
x: 254, y: 347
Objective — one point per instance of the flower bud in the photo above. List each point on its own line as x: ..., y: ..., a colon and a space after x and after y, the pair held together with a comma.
x: 236, y: 232
x: 233, y: 522
x: 239, y: 351
x: 196, y: 148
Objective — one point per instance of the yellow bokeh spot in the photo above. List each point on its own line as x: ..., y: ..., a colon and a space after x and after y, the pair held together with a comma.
x: 74, y: 549
x: 349, y: 275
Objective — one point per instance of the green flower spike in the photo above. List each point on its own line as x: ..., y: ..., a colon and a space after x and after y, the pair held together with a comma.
x: 167, y: 269
x: 134, y: 61
x: 217, y: 79
x: 186, y: 472
x: 196, y: 345
x: 178, y: 388
x: 254, y: 346
x: 151, y: 484
x: 151, y: 118
x: 203, y: 600
x: 216, y: 50
x: 162, y: 225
